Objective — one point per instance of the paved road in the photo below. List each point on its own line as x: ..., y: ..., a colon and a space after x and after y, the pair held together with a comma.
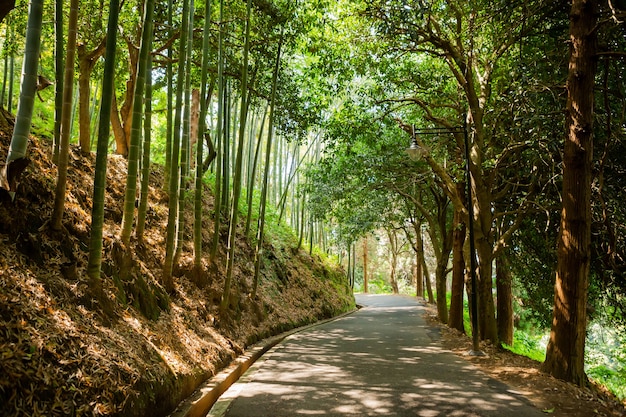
x: 383, y: 360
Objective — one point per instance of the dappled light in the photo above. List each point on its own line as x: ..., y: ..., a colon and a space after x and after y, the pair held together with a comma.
x: 382, y: 360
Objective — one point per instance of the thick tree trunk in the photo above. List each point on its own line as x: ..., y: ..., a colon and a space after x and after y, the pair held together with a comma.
x: 455, y: 319
x: 441, y: 285
x: 504, y: 301
x: 565, y: 353
x: 486, y: 307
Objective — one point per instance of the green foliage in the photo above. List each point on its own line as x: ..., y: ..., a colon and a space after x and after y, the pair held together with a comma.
x: 605, y: 358
x: 529, y: 345
x: 610, y: 378
x: 377, y: 284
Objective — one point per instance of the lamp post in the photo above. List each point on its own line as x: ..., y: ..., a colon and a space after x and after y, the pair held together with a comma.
x: 415, y: 152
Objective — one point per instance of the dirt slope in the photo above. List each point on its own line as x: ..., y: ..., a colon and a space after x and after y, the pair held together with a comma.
x: 63, y: 353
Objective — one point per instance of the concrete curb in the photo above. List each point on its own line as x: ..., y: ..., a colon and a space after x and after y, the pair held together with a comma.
x: 200, y: 402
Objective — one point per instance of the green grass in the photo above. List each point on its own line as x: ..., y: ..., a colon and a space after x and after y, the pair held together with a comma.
x: 613, y: 380
x: 528, y: 344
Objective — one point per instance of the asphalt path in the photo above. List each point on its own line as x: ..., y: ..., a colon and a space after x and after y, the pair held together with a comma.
x: 383, y: 360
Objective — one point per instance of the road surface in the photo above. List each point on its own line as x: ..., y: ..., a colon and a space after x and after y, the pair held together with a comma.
x: 383, y: 360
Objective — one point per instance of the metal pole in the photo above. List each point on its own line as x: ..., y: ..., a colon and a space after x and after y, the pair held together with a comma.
x: 415, y: 151
x: 470, y: 208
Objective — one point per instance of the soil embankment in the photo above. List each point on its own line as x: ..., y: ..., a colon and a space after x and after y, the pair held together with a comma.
x: 139, y: 351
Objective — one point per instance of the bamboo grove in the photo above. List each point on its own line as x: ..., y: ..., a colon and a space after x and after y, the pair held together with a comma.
x: 201, y: 82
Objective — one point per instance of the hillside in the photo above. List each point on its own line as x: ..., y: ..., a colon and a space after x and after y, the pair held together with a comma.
x: 141, y: 351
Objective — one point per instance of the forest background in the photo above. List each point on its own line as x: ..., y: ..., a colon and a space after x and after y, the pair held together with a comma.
x: 309, y: 106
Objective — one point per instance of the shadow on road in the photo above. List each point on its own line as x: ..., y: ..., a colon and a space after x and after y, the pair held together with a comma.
x: 382, y: 360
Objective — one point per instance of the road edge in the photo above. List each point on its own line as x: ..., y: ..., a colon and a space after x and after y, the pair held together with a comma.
x: 200, y: 402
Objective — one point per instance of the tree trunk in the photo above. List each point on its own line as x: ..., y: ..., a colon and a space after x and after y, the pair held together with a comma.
x: 253, y: 170
x: 86, y: 63
x: 429, y: 287
x: 185, y: 147
x: 455, y: 319
x: 565, y: 353
x: 487, y: 325
x: 99, y: 187
x: 16, y: 158
x: 170, y: 238
x: 237, y: 178
x: 145, y: 155
x: 442, y: 289
x: 419, y: 255
x: 205, y: 94
x: 193, y: 127
x: 59, y: 75
x: 365, y: 289
x: 393, y: 249
x: 169, y: 113
x: 264, y: 187
x: 219, y: 135
x: 66, y: 116
x: 505, y: 300
x: 136, y: 128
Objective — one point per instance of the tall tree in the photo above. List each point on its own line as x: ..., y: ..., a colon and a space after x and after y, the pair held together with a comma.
x: 185, y: 140
x: 16, y: 158
x: 66, y: 118
x: 170, y: 239
x: 237, y: 179
x: 219, y: 134
x: 455, y: 316
x: 258, y: 250
x: 137, y: 123
x: 145, y: 155
x: 59, y: 74
x: 99, y: 183
x: 253, y: 169
x: 204, y: 101
x: 565, y: 354
x: 169, y: 75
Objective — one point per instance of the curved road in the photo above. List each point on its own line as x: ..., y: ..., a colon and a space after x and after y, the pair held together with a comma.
x: 383, y: 360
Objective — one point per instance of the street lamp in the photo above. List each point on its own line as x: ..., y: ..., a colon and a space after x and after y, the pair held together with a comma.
x: 416, y: 152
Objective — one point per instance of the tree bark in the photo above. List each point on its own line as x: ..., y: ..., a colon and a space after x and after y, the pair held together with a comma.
x: 455, y: 319
x: 365, y: 289
x: 66, y: 116
x: 99, y: 186
x: 419, y: 255
x: 505, y: 300
x: 393, y: 249
x: 487, y: 324
x: 429, y: 287
x: 565, y: 353
x: 16, y: 160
